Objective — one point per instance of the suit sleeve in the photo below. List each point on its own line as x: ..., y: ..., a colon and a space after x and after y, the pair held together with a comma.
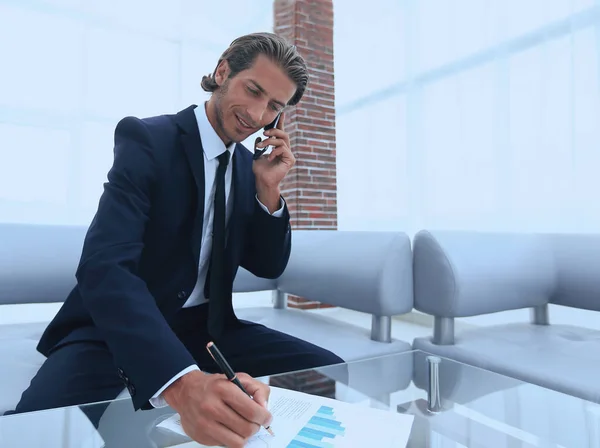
x: 268, y: 242
x: 145, y: 350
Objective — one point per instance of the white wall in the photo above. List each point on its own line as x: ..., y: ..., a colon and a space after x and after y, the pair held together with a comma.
x: 72, y: 68
x: 466, y: 114
x: 470, y: 114
x: 429, y: 136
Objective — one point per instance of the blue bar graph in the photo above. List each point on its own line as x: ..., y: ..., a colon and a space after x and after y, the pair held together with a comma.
x: 321, y: 428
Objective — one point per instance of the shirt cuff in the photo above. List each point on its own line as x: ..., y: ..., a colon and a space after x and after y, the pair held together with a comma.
x: 277, y: 213
x: 157, y: 400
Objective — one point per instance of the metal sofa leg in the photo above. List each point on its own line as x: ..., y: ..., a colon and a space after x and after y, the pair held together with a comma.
x: 279, y: 300
x: 381, y: 328
x: 540, y: 315
x: 443, y: 330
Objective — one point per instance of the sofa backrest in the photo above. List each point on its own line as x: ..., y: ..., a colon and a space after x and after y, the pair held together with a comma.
x: 38, y: 262
x: 365, y: 271
x: 460, y: 274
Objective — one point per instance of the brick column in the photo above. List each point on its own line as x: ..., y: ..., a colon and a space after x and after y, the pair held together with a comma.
x: 310, y: 188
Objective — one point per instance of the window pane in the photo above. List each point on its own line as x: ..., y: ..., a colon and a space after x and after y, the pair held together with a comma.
x: 363, y: 64
x: 130, y: 74
x: 35, y: 168
x: 540, y: 126
x: 96, y: 160
x: 586, y: 119
x: 372, y: 170
x: 41, y: 69
x: 458, y: 150
x: 151, y: 18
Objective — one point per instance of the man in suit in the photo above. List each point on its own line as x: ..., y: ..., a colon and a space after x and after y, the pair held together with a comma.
x: 185, y: 205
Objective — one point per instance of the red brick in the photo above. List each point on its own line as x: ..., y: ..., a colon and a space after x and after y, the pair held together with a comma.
x: 310, y: 188
x: 304, y: 304
x: 310, y: 382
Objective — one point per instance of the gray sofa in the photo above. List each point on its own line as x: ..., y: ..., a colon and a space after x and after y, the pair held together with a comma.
x: 369, y: 272
x: 461, y: 274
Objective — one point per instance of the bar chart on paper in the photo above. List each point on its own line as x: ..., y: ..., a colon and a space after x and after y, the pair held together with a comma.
x: 320, y: 431
x: 315, y: 422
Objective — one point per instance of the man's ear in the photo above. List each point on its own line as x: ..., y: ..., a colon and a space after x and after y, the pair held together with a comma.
x: 222, y: 72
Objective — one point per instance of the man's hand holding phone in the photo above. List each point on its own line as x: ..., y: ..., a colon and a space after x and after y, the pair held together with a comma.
x: 216, y: 412
x: 270, y: 169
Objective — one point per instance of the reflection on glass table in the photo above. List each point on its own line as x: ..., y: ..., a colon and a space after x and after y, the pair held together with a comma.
x: 454, y: 404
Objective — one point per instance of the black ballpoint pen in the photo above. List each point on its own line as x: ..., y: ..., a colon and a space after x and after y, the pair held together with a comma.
x: 228, y: 371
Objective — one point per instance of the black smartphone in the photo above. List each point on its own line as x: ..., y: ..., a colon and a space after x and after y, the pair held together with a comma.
x: 259, y: 152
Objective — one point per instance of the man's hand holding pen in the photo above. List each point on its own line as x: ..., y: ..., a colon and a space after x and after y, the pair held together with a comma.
x: 214, y: 411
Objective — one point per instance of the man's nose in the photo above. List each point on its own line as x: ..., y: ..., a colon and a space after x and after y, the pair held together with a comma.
x: 257, y: 114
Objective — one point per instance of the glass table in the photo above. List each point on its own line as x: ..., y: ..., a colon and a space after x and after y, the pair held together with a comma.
x: 454, y: 404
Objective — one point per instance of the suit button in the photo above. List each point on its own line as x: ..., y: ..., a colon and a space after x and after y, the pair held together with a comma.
x: 131, y: 389
x: 182, y: 295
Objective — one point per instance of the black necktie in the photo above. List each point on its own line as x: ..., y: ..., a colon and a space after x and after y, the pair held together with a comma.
x: 214, y: 287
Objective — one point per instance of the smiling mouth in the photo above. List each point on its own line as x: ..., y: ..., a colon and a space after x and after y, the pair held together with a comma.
x: 244, y: 124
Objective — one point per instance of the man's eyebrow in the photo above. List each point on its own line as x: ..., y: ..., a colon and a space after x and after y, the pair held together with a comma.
x: 259, y: 87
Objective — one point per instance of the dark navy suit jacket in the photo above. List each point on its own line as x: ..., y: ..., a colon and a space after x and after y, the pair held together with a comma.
x: 140, y: 256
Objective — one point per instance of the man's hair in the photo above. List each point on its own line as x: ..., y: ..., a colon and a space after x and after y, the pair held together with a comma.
x: 243, y: 51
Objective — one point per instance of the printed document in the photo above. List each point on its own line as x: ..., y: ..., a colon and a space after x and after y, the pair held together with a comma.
x: 301, y: 421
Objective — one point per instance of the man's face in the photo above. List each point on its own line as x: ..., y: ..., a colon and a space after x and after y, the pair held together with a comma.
x: 251, y: 99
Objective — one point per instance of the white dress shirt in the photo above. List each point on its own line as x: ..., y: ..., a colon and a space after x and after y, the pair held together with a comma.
x: 213, y: 147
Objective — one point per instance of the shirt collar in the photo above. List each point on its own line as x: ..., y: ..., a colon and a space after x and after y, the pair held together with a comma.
x: 211, y: 143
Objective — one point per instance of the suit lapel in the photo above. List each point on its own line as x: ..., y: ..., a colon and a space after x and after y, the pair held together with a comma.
x: 192, y: 146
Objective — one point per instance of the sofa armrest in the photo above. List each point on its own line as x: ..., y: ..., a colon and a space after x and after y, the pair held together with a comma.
x: 369, y: 272
x: 578, y: 274
x: 245, y: 281
x: 460, y: 274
